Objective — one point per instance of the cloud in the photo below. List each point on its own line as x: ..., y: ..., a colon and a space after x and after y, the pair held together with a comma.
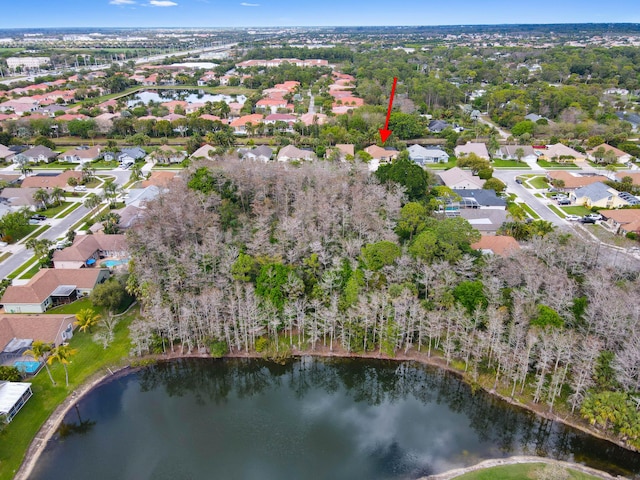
x: 162, y: 3
x: 122, y: 2
x: 245, y: 4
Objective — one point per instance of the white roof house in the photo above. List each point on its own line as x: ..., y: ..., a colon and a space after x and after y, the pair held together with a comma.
x: 422, y: 155
x: 480, y: 149
x: 13, y: 395
x: 456, y: 178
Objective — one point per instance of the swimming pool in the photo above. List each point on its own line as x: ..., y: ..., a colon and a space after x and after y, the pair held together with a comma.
x: 114, y: 263
x: 27, y: 366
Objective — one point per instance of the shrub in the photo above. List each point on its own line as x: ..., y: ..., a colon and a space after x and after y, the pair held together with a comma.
x: 218, y: 348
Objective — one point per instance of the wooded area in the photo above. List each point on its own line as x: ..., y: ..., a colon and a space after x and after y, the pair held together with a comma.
x: 281, y: 258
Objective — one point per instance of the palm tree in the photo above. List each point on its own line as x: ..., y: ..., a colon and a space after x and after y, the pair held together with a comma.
x: 57, y: 194
x: 136, y: 171
x: 61, y: 354
x: 86, y: 319
x: 42, y: 197
x: 39, y: 351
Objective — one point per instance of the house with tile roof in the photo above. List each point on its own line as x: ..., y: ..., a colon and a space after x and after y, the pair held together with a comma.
x: 40, y: 153
x: 5, y: 153
x: 502, y: 245
x: 19, y: 331
x: 457, y: 178
x: 51, y: 181
x: 291, y: 153
x: 510, y: 152
x: 81, y: 155
x: 239, y: 125
x: 621, y: 157
x: 261, y: 153
x: 560, y: 153
x: 206, y: 151
x: 87, y: 250
x: 480, y: 149
x: 574, y: 180
x: 51, y: 287
x: 622, y: 221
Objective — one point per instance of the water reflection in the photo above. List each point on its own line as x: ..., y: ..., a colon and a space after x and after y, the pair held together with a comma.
x: 305, y: 419
x: 190, y: 96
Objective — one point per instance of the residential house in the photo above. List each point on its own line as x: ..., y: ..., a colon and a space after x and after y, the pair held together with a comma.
x: 534, y: 117
x: 456, y: 178
x: 244, y: 124
x: 502, y: 245
x: 127, y: 156
x: 104, y: 121
x: 380, y: 155
x: 632, y: 118
x: 422, y: 155
x: 480, y: 149
x: 18, y: 332
x: 138, y: 197
x: 437, y: 126
x: 81, y: 155
x: 6, y: 153
x: 261, y: 153
x: 486, y: 220
x: 205, y: 151
x: 271, y: 104
x: 341, y: 151
x: 622, y: 221
x: 560, y: 153
x: 313, y: 119
x: 40, y: 153
x: 279, y: 119
x: 159, y: 178
x: 129, y: 216
x: 635, y: 177
x: 291, y: 153
x: 621, y: 157
x: 87, y: 250
x: 13, y: 396
x: 510, y: 152
x: 572, y: 181
x: 479, y: 198
x: 51, y: 287
x: 51, y: 181
x: 19, y: 197
x: 598, y: 195
x: 19, y: 106
x: 167, y: 154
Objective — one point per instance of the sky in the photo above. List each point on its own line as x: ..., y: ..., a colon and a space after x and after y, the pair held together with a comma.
x: 270, y: 13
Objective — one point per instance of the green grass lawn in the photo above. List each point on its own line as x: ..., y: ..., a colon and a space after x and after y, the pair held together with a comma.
x: 20, y: 270
x: 557, y: 211
x: 104, y: 165
x: 509, y: 164
x: 530, y: 211
x: 35, y: 230
x: 29, y: 231
x: 31, y: 272
x: 55, y: 166
x: 74, y: 205
x: 576, y: 210
x: 53, y: 211
x: 518, y: 471
x: 4, y: 256
x: 539, y: 181
x: 74, y: 307
x: 539, y: 195
x: 558, y: 166
x: 90, y: 359
x: 441, y: 166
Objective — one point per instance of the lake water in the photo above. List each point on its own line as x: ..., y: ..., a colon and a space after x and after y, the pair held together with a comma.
x: 309, y: 419
x: 190, y: 96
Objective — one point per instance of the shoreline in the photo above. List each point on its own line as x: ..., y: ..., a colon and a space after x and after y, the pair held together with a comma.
x: 51, y: 425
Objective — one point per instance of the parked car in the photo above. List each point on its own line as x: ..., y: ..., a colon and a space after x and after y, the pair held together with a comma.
x: 587, y: 220
x: 79, y: 188
x: 38, y: 217
x: 519, y: 181
x: 564, y: 201
x: 573, y: 218
x: 594, y: 216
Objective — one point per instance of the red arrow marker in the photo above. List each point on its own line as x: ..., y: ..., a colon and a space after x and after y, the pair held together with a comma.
x: 385, y: 132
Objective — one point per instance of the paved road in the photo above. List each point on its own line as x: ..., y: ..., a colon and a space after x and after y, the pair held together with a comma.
x: 312, y: 103
x: 503, y: 133
x: 59, y: 227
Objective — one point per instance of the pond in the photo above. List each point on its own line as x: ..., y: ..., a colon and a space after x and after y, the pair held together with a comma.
x: 311, y: 419
x: 190, y: 96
